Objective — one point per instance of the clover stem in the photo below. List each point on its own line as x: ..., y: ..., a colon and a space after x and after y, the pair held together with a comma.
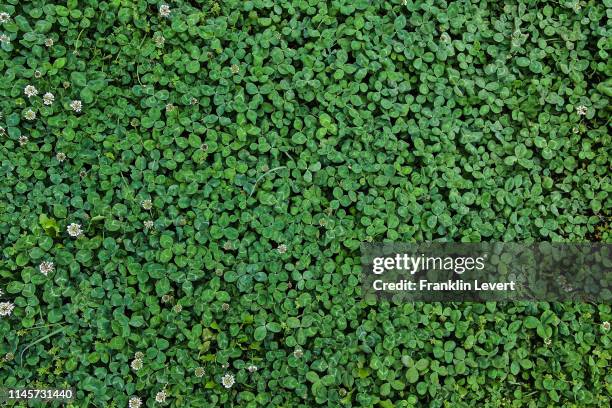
x: 264, y: 175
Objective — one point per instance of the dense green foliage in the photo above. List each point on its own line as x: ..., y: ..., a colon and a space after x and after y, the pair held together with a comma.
x: 225, y: 162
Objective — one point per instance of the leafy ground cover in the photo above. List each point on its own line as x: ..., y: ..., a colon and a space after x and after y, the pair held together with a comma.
x: 185, y: 187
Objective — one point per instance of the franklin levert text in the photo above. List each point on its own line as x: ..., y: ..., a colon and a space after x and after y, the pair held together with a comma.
x: 448, y: 286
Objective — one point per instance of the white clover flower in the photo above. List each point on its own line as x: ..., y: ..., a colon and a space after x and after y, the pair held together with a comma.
x: 282, y: 248
x: 177, y: 308
x: 228, y: 380
x: 30, y: 114
x: 76, y: 105
x: 147, y: 204
x: 139, y: 355
x: 74, y: 230
x: 30, y: 91
x: 298, y: 353
x: 581, y: 110
x: 225, y: 307
x: 164, y: 10
x: 37, y: 74
x: 45, y: 267
x: 235, y: 69
x: 8, y: 357
x: 5, y: 39
x: 134, y: 402
x: 4, y: 17
x: 194, y: 101
x: 170, y: 107
x: 252, y: 368
x: 48, y: 98
x: 148, y: 224
x: 23, y: 140
x: 49, y: 42
x: 166, y: 298
x: 60, y: 156
x: 547, y: 341
x: 199, y: 372
x: 136, y: 364
x: 6, y: 308
x: 404, y: 2
x: 606, y: 326
x: 159, y: 40
x: 161, y: 397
